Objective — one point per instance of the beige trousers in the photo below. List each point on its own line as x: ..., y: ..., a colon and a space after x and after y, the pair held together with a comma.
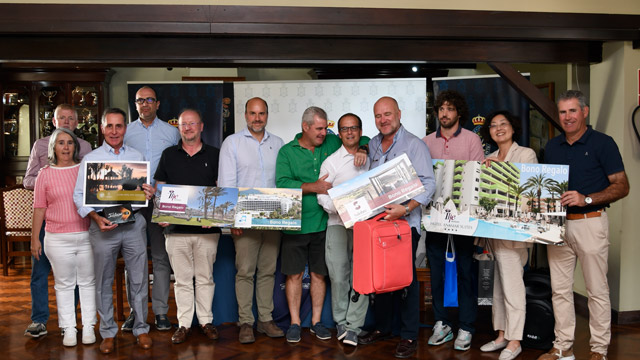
x: 256, y: 254
x: 192, y: 256
x: 588, y: 241
x: 509, y: 295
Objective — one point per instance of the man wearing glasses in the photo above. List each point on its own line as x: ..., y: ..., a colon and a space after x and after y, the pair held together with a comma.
x: 339, y: 166
x: 298, y: 166
x: 192, y: 249
x: 150, y: 136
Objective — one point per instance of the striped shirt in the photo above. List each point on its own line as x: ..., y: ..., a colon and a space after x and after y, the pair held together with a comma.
x: 54, y: 192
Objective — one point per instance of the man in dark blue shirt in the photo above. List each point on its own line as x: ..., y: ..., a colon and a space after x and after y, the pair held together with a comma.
x: 596, y: 179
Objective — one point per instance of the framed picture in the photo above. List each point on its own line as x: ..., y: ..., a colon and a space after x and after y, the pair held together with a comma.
x: 115, y: 182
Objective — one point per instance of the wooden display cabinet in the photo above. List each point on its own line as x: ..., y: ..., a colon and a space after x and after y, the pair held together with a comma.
x: 29, y: 99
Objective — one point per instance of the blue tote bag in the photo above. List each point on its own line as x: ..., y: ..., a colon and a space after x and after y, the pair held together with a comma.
x: 450, y: 275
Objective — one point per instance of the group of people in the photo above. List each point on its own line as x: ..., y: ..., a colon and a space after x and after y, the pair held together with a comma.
x: 82, y: 245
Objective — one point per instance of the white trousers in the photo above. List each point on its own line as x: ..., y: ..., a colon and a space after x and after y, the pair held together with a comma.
x: 71, y: 258
x: 192, y: 256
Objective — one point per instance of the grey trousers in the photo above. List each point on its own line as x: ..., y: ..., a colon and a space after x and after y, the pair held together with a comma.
x: 339, y: 259
x: 131, y: 239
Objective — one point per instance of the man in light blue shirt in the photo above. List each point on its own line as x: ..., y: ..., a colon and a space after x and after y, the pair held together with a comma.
x: 393, y: 141
x: 150, y: 136
x: 248, y: 159
x: 108, y: 239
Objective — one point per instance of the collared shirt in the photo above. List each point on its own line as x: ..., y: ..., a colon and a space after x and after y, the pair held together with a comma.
x: 405, y: 142
x: 151, y: 140
x: 39, y: 158
x: 245, y: 162
x: 297, y: 165
x: 519, y: 154
x: 103, y: 153
x: 340, y: 168
x: 463, y: 145
x: 591, y: 160
x: 177, y: 167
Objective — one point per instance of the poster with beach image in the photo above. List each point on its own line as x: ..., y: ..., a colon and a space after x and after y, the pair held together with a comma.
x: 364, y: 196
x: 269, y: 209
x: 195, y: 205
x: 510, y: 201
x: 115, y: 183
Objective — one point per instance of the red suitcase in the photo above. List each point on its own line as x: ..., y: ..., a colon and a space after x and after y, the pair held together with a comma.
x: 382, y: 260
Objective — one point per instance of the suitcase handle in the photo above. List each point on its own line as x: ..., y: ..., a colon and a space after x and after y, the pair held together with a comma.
x: 380, y: 217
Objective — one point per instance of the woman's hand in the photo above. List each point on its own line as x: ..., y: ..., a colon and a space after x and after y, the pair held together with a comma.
x: 36, y: 247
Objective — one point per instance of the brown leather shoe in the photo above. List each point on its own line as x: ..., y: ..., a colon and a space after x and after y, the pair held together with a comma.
x: 210, y: 331
x: 270, y: 329
x: 107, y: 345
x: 180, y: 335
x: 406, y: 348
x: 246, y: 334
x: 372, y: 337
x: 145, y: 341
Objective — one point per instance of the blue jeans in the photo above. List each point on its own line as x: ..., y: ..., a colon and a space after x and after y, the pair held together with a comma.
x: 436, y: 244
x: 40, y: 285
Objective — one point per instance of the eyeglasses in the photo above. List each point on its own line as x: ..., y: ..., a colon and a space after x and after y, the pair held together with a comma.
x: 345, y: 129
x: 191, y: 124
x: 149, y: 100
x: 498, y: 126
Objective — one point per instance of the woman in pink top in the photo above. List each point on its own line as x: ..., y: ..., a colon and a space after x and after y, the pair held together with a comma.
x: 509, y: 296
x: 67, y: 237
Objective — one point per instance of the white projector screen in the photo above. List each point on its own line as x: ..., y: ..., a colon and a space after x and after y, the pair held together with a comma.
x: 288, y: 99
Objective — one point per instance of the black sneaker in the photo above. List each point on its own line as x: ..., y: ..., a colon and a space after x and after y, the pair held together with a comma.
x: 128, y: 324
x: 35, y: 330
x: 163, y: 323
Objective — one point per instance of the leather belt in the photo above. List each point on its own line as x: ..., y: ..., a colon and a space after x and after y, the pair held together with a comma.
x: 588, y: 215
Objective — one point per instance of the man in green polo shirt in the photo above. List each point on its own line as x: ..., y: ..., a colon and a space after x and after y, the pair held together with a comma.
x: 298, y: 166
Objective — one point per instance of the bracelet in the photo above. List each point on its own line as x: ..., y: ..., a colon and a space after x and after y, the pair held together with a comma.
x: 407, y: 210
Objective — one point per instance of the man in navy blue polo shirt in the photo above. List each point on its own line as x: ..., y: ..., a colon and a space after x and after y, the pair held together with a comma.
x: 596, y: 179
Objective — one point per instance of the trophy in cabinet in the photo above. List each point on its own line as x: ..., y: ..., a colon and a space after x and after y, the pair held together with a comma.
x: 78, y: 91
x: 49, y: 94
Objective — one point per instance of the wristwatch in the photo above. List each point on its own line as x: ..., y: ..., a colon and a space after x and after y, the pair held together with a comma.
x: 407, y: 210
x: 588, y: 200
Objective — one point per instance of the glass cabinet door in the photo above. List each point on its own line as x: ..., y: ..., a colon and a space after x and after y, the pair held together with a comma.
x: 16, y: 121
x: 48, y: 98
x: 86, y: 99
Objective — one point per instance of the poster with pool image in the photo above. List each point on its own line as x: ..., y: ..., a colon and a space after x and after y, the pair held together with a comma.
x: 509, y: 201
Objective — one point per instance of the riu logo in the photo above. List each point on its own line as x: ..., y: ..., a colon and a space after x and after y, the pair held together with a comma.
x: 172, y: 195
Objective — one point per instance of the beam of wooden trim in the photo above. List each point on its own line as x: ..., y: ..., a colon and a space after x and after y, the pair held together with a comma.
x: 523, y: 86
x: 167, y: 51
x: 140, y: 20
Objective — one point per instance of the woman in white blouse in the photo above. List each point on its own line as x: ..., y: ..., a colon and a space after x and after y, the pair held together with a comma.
x: 509, y: 297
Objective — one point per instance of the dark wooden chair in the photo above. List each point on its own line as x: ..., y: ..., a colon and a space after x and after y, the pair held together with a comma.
x: 16, y: 212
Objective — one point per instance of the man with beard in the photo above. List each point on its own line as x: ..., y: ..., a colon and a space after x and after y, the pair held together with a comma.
x: 452, y: 142
x: 192, y: 250
x: 150, y: 136
x: 298, y: 166
x: 394, y: 141
x: 248, y: 159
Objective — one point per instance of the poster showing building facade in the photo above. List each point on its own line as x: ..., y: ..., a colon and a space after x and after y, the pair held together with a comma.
x: 510, y: 201
x: 364, y: 196
x: 195, y: 205
x: 269, y: 209
x: 115, y: 183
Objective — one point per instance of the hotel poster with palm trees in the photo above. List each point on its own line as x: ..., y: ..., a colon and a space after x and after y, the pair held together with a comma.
x: 115, y: 183
x: 505, y: 200
x: 255, y: 208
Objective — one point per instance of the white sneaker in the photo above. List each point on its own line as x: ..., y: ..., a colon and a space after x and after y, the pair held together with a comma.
x: 441, y: 334
x: 463, y: 341
x: 69, y: 337
x: 88, y: 335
